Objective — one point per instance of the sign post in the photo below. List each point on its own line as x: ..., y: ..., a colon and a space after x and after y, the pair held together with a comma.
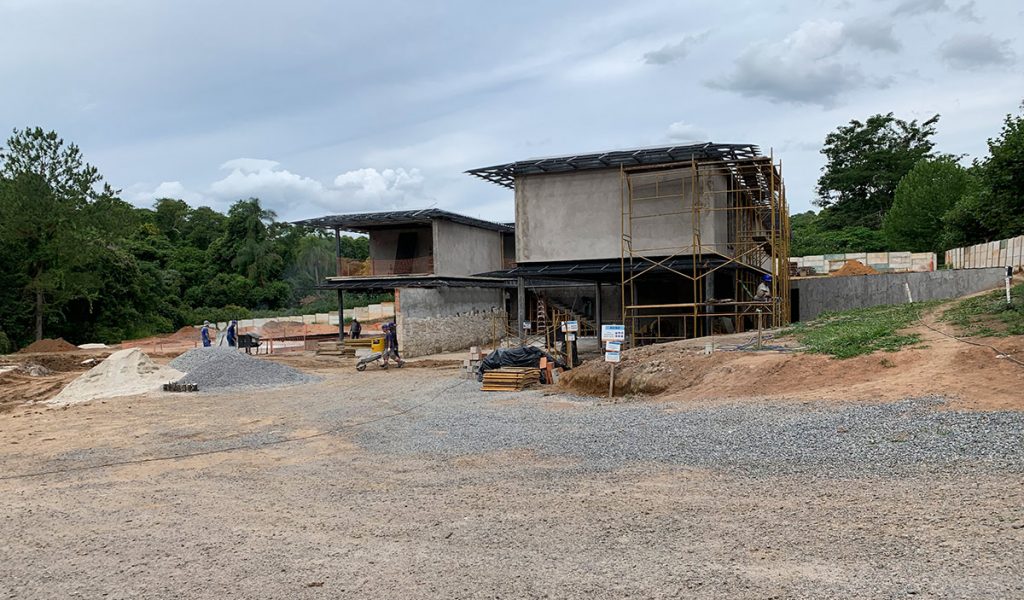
x: 613, y: 336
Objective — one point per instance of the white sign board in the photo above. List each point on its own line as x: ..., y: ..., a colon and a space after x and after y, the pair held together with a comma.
x: 571, y: 337
x: 613, y: 333
x: 527, y: 325
x: 612, y: 357
x: 613, y: 346
x: 571, y: 326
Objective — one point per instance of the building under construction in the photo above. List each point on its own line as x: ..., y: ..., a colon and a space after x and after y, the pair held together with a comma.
x: 671, y: 241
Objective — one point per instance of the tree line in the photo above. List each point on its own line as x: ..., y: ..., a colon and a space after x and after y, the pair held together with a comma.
x: 81, y: 263
x: 885, y: 187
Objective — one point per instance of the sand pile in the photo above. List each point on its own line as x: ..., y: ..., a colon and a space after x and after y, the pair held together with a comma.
x: 220, y: 368
x: 854, y: 267
x: 123, y: 373
x: 48, y: 345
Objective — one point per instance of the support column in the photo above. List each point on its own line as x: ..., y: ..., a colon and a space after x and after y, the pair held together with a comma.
x: 521, y: 308
x: 598, y: 320
x: 341, y: 294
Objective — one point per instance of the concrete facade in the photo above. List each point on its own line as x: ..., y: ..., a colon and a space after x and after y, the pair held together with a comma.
x: 578, y: 216
x: 816, y: 295
x: 465, y: 250
x: 384, y: 242
x: 431, y: 321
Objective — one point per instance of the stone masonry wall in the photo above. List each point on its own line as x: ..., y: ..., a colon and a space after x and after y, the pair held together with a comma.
x: 431, y: 321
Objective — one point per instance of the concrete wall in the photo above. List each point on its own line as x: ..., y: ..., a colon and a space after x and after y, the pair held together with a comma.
x: 883, y: 262
x: 1000, y: 253
x: 465, y: 250
x: 384, y: 242
x: 447, y: 319
x: 577, y: 216
x: 820, y: 294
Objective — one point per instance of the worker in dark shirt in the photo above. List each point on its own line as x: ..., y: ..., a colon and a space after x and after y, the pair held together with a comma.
x: 204, y: 334
x: 390, y: 331
x: 355, y: 330
x: 233, y: 334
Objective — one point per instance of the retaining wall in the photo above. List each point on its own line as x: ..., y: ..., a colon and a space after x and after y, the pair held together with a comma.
x: 1000, y: 253
x: 819, y: 294
x: 883, y: 262
x: 431, y: 321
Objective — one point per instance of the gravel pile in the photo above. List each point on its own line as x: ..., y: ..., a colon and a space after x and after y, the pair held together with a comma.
x: 226, y: 368
x: 906, y: 437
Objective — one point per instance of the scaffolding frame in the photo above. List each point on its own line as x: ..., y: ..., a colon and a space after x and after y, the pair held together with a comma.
x: 738, y: 224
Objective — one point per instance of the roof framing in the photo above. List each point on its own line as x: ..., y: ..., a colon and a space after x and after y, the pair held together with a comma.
x: 505, y: 175
x: 364, y: 222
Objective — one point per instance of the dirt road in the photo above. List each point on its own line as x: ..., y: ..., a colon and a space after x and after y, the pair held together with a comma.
x: 413, y: 484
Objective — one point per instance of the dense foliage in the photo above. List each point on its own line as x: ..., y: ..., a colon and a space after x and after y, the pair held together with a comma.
x: 81, y: 263
x: 884, y: 188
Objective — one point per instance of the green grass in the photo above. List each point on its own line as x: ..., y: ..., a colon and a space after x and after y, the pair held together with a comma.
x: 861, y: 331
x: 989, y: 314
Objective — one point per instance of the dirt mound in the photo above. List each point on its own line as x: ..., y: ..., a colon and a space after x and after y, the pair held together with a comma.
x: 854, y: 267
x: 124, y: 373
x: 48, y: 345
x: 971, y: 376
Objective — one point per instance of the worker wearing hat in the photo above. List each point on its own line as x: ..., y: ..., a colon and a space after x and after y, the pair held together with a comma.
x: 204, y: 334
x: 764, y: 289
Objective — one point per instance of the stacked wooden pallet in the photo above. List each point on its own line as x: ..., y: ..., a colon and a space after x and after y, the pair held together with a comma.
x: 335, y: 349
x: 510, y: 379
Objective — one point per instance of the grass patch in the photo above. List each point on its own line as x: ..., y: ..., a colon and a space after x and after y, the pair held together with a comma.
x: 861, y: 331
x: 989, y: 314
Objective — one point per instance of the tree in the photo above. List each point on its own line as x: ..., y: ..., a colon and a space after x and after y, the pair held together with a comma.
x: 865, y: 162
x: 47, y: 187
x: 1002, y: 171
x: 811, y: 237
x: 929, y: 191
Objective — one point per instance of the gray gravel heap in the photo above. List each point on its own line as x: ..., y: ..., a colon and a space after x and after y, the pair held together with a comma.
x: 226, y: 368
x: 909, y: 437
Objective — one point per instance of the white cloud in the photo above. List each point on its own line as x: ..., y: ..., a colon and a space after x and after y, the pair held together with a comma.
x: 390, y: 187
x: 872, y: 35
x: 967, y: 12
x: 670, y: 53
x: 976, y: 51
x: 681, y: 131
x: 250, y: 165
x: 803, y: 68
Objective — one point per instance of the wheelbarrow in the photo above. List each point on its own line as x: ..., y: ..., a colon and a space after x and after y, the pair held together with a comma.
x: 376, y: 357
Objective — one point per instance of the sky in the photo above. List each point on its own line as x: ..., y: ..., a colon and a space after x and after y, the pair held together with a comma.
x: 325, y: 107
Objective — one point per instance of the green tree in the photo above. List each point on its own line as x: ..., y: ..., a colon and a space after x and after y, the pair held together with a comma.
x: 930, y: 190
x: 810, y: 237
x: 865, y: 161
x: 47, y: 187
x: 1002, y: 172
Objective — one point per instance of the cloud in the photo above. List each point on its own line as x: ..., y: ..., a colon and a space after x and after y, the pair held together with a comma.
x: 967, y: 12
x: 389, y: 187
x: 681, y: 131
x: 801, y: 69
x: 919, y: 7
x: 292, y: 195
x: 670, y: 53
x: 872, y: 35
x: 976, y: 50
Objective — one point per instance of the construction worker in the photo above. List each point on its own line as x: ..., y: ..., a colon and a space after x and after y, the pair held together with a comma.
x: 355, y: 330
x: 390, y: 331
x: 764, y: 289
x: 232, y: 335
x: 204, y: 334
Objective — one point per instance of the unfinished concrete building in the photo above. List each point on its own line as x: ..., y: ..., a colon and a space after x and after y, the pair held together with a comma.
x: 672, y: 241
x: 429, y: 259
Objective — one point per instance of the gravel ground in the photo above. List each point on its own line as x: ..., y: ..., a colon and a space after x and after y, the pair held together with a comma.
x: 227, y: 368
x: 411, y: 484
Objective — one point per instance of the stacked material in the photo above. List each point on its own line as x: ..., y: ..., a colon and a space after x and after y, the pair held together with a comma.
x: 124, y: 373
x: 510, y: 379
x: 227, y: 368
x: 335, y: 349
x: 48, y: 345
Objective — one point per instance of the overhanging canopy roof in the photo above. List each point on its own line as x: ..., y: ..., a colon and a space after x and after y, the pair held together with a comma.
x: 505, y: 175
x: 364, y: 222
x: 386, y: 283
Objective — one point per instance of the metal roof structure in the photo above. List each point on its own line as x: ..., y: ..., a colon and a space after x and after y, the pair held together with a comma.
x: 505, y: 175
x: 388, y: 283
x: 364, y: 222
x: 608, y: 270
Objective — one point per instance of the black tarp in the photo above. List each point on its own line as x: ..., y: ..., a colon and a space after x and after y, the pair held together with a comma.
x: 526, y: 356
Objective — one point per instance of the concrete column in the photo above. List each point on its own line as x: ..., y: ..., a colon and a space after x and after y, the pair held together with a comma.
x: 341, y: 294
x: 597, y: 310
x: 521, y: 308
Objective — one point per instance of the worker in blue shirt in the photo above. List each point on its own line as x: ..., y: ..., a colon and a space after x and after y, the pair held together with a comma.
x: 233, y: 334
x: 204, y: 334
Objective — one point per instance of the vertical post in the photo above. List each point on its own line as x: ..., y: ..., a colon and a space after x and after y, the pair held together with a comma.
x: 341, y: 294
x: 597, y: 309
x: 760, y: 324
x: 611, y: 383
x: 521, y: 308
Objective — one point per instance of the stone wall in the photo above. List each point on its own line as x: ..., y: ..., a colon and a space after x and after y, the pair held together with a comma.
x: 431, y: 321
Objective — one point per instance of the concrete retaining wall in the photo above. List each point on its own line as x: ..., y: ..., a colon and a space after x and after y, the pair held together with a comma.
x: 431, y: 321
x: 1000, y: 253
x: 821, y: 294
x: 883, y: 262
